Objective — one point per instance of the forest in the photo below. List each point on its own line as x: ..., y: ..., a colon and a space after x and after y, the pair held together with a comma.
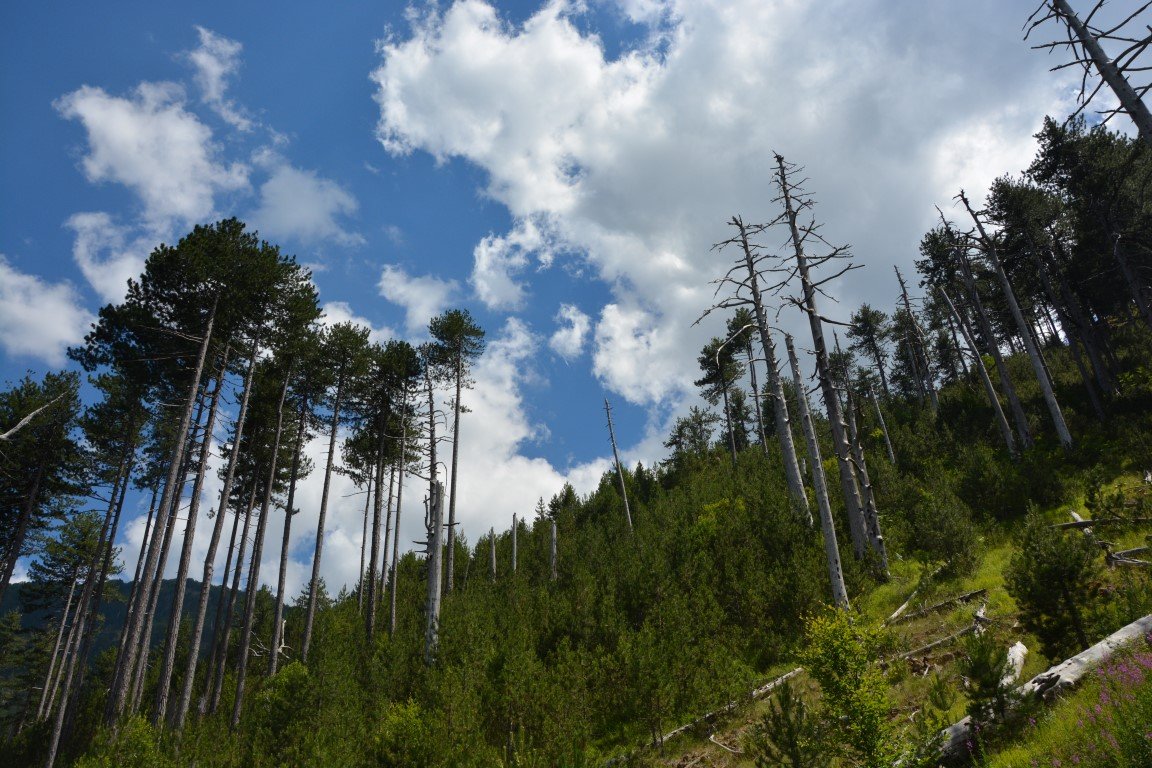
x: 858, y: 547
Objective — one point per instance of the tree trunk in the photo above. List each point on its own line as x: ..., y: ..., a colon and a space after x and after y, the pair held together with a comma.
x: 492, y: 553
x: 289, y: 511
x: 126, y: 659
x: 864, y: 483
x: 399, y: 503
x: 51, y: 677
x: 13, y: 553
x: 160, y: 704
x: 515, y: 532
x: 387, y: 532
x: 257, y: 552
x: 756, y: 397
x: 1038, y: 366
x: 619, y: 469
x: 434, y: 527
x: 223, y: 629
x: 362, y: 589
x: 555, y: 561
x: 827, y: 524
x: 1018, y: 417
x: 883, y: 426
x: 857, y: 525
x: 451, y: 566
x: 371, y: 599
x: 779, y: 403
x: 919, y: 347
x: 210, y: 558
x: 985, y: 379
x: 314, y: 583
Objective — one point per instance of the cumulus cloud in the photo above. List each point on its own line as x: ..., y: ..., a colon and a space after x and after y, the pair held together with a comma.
x: 568, y: 340
x: 39, y: 319
x: 297, y: 203
x: 497, y: 259
x: 422, y: 296
x: 636, y: 161
x: 342, y: 312
x: 150, y: 143
x: 217, y: 61
x: 107, y: 253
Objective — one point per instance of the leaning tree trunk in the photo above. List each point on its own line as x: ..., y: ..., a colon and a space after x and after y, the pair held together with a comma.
x: 22, y: 524
x: 257, y: 552
x: 883, y: 426
x: 827, y: 524
x: 920, y: 346
x: 1038, y: 366
x: 289, y: 511
x: 756, y: 397
x: 181, y: 713
x: 619, y: 469
x: 857, y: 525
x: 864, y: 483
x: 985, y: 379
x: 160, y: 704
x: 779, y: 403
x: 126, y: 660
x: 1018, y: 417
x: 51, y: 676
x: 314, y: 584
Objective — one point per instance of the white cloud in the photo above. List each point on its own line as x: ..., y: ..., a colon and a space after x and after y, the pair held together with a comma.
x: 497, y: 259
x: 107, y: 253
x: 568, y: 340
x: 342, y: 312
x: 150, y: 143
x: 638, y: 161
x: 217, y: 60
x: 296, y: 203
x: 422, y: 296
x: 39, y: 319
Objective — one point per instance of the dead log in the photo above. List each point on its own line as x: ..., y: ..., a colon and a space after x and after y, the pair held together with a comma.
x: 896, y: 614
x: 964, y: 598
x: 1103, y: 521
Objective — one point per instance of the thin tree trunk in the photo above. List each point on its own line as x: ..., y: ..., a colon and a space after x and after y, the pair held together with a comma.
x: 985, y: 379
x: 399, y: 504
x: 883, y: 426
x: 555, y: 553
x: 1018, y: 417
x: 51, y: 677
x: 314, y: 583
x: 257, y: 552
x: 451, y: 565
x: 21, y: 529
x: 224, y: 629
x: 827, y: 524
x: 372, y: 598
x: 920, y: 346
x: 779, y: 403
x: 756, y: 397
x: 387, y: 532
x: 210, y: 558
x: 864, y: 483
x: 363, y: 588
x: 619, y: 469
x: 160, y: 705
x: 492, y: 553
x: 434, y: 527
x: 289, y: 511
x: 728, y: 421
x: 515, y: 531
x: 126, y: 660
x: 1038, y: 366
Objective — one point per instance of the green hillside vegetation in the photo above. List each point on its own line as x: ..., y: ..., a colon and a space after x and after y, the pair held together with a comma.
x: 716, y: 580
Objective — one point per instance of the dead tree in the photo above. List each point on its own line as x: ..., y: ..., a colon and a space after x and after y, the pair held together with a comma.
x: 883, y: 425
x: 985, y: 379
x: 795, y: 201
x: 827, y: 524
x: 555, y: 560
x: 492, y: 552
x: 434, y: 524
x: 919, y: 347
x: 619, y: 474
x: 988, y: 245
x: 742, y: 283
x: 1086, y: 43
x: 515, y: 530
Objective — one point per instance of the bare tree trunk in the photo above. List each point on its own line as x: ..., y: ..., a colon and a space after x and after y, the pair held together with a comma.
x: 985, y: 379
x: 492, y: 553
x: 387, y: 532
x: 314, y: 584
x: 399, y: 502
x: 864, y: 483
x: 779, y: 403
x: 433, y: 523
x: 1134, y: 285
x: 224, y: 627
x: 451, y: 566
x: 883, y: 426
x: 372, y: 599
x: 289, y: 511
x: 181, y: 713
x: 126, y: 660
x: 619, y: 469
x: 827, y: 525
x: 857, y: 525
x: 51, y: 678
x: 363, y: 589
x: 1018, y: 417
x: 257, y: 552
x: 555, y: 552
x: 756, y: 397
x: 1038, y: 366
x: 515, y: 533
x: 160, y: 703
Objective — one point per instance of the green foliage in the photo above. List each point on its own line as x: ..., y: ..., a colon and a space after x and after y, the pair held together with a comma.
x: 841, y: 657
x: 1053, y: 576
x: 135, y: 745
x: 984, y: 665
x: 789, y: 734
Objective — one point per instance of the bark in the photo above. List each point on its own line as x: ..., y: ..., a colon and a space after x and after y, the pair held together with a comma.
x: 779, y: 403
x: 1018, y: 417
x: 451, y: 566
x: 619, y: 469
x: 864, y: 483
x: 515, y: 531
x: 434, y: 527
x: 314, y: 583
x: 160, y: 705
x: 399, y: 503
x: 1038, y: 366
x: 388, y: 532
x: 372, y: 597
x: 257, y: 552
x: 989, y: 390
x: 554, y: 553
x: 21, y: 529
x: 856, y: 526
x: 224, y: 626
x: 289, y: 510
x: 819, y: 483
x: 363, y: 588
x: 1130, y: 101
x: 756, y: 397
x: 210, y: 558
x: 51, y: 678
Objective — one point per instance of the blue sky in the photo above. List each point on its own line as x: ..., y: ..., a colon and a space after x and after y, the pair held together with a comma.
x: 559, y: 169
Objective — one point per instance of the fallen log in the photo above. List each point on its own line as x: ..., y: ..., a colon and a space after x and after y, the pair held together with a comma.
x: 933, y: 608
x: 1103, y: 521
x: 1047, y: 684
x: 896, y: 614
